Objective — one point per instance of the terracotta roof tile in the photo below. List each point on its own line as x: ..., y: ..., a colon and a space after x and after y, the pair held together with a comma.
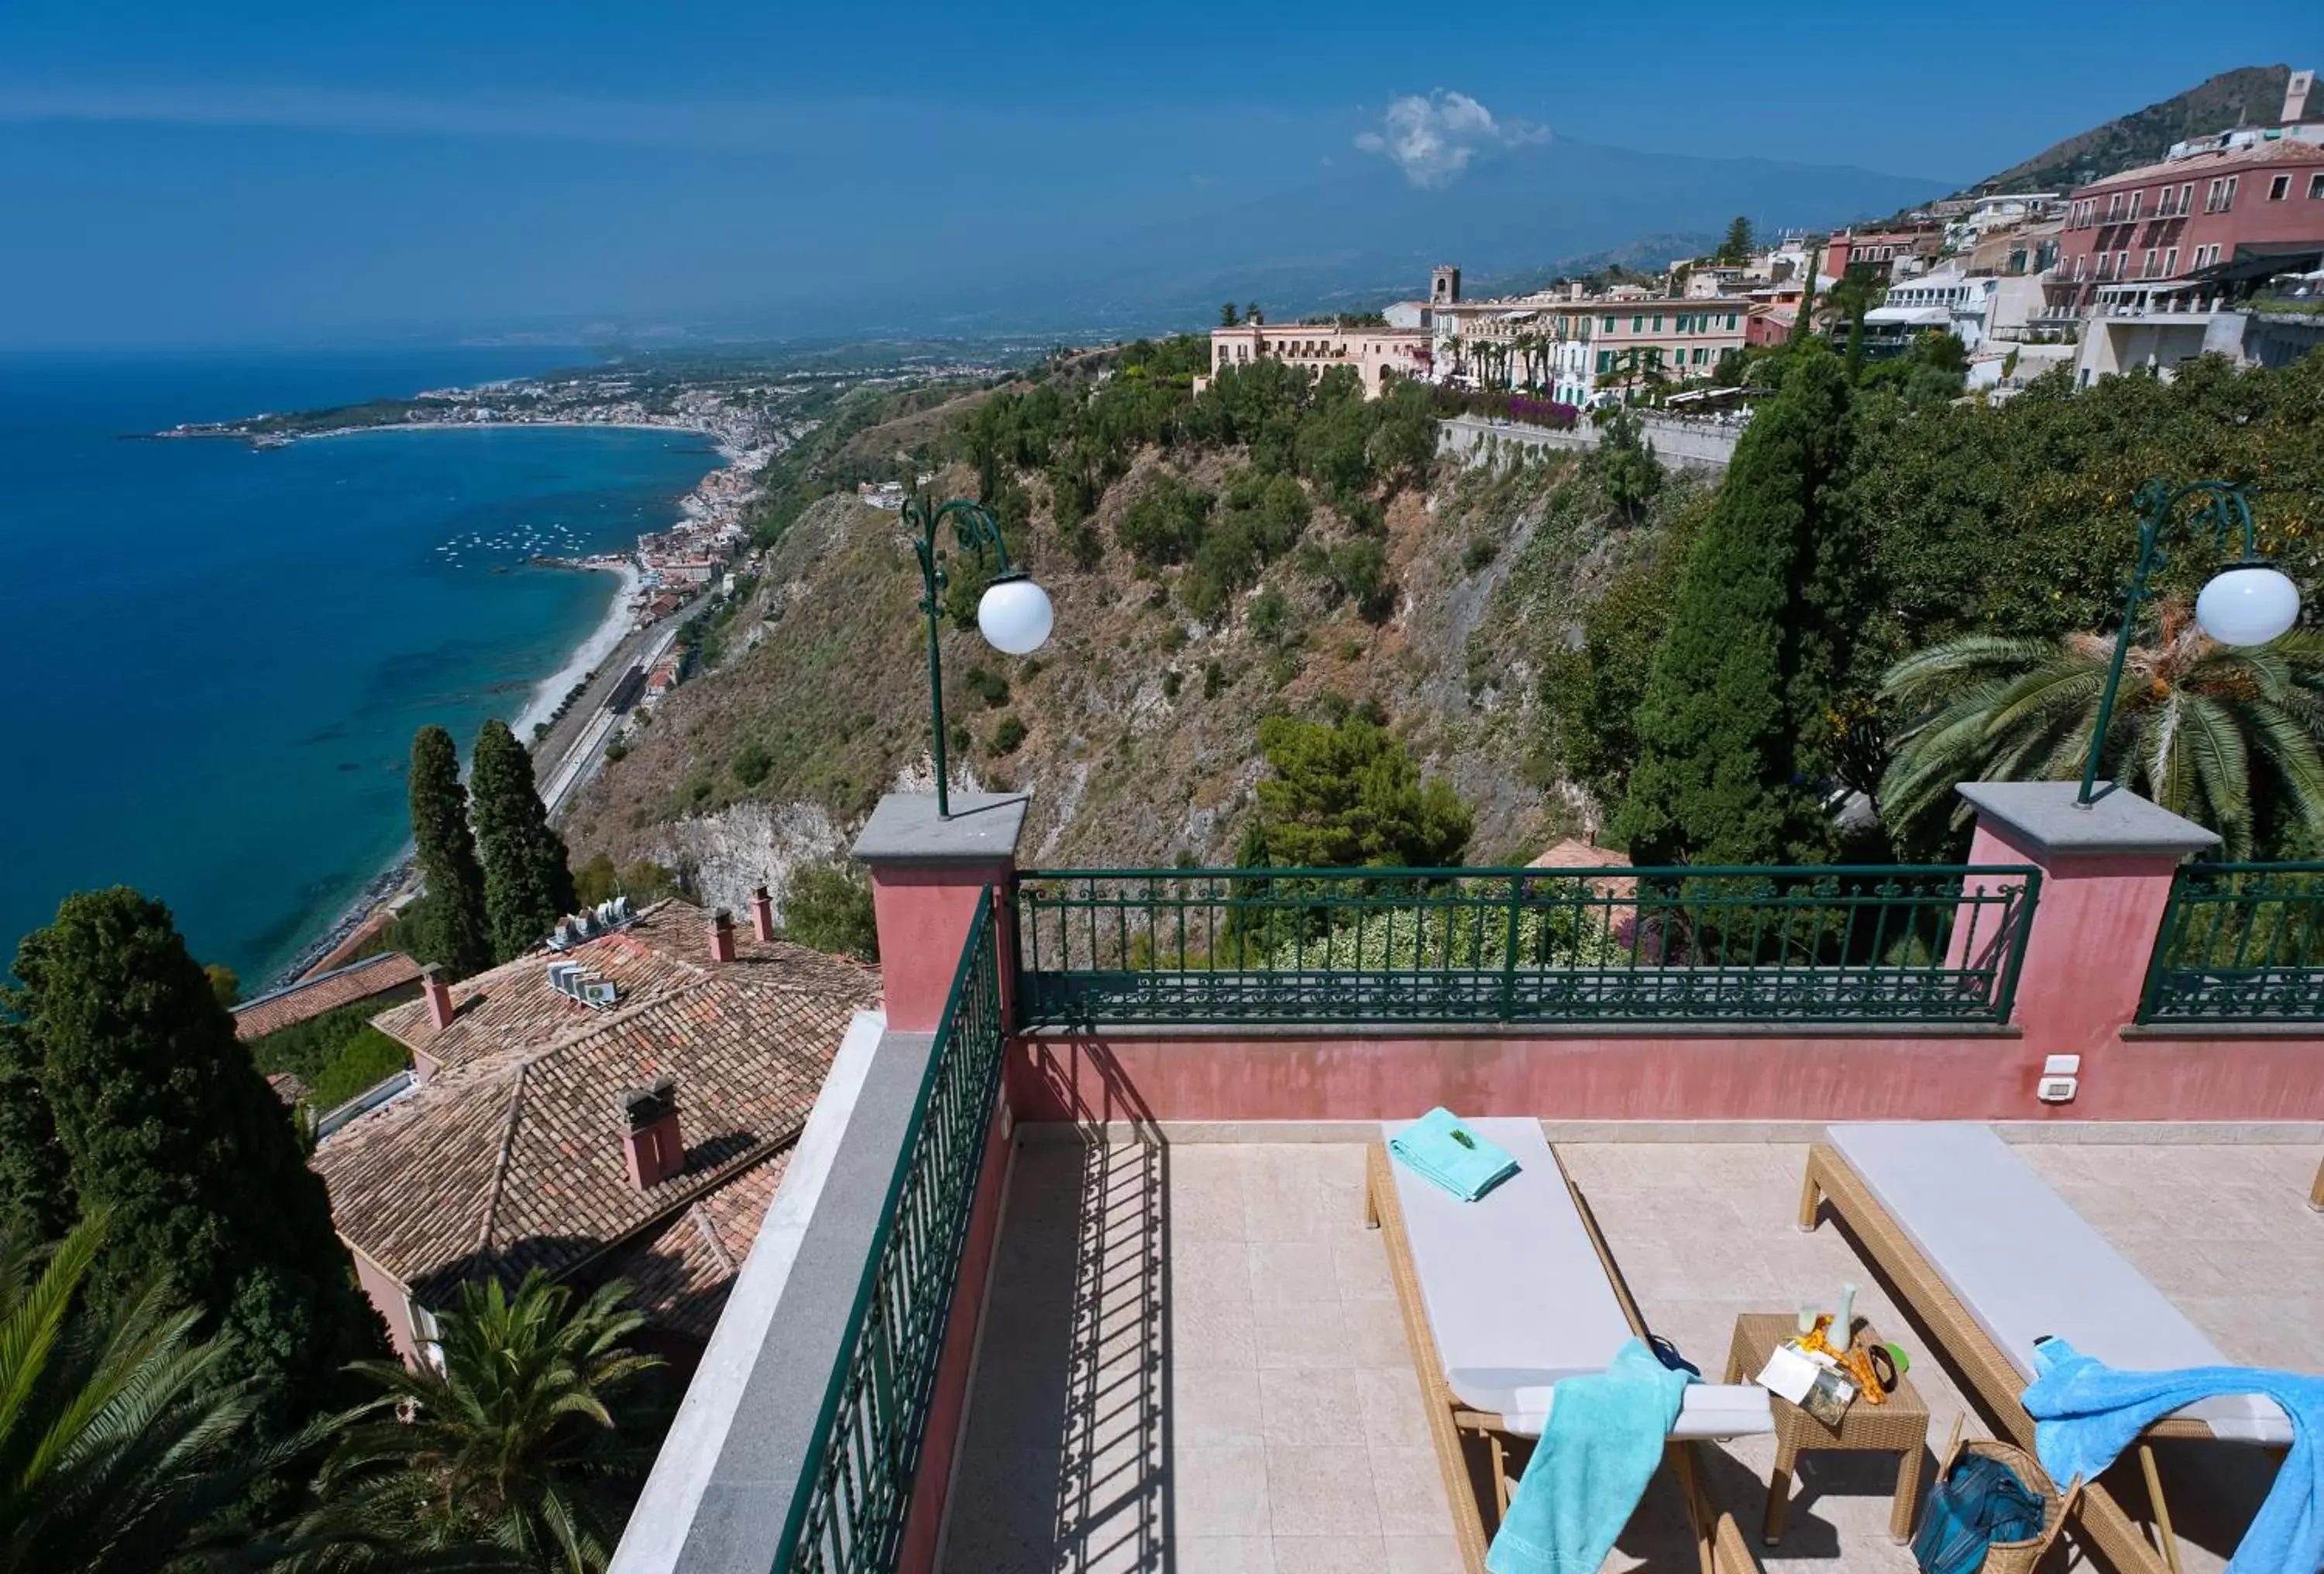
x: 1571, y: 853
x: 358, y: 980
x: 510, y: 1158
x: 680, y: 1275
x: 665, y: 951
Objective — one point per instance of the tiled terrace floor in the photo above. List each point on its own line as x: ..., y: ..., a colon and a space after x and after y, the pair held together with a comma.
x: 1194, y: 1363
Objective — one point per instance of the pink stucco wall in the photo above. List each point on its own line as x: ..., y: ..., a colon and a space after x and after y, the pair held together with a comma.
x: 923, y: 914
x: 1581, y: 1076
x: 2077, y: 992
x: 947, y: 1409
x: 387, y: 1295
x: 2094, y: 929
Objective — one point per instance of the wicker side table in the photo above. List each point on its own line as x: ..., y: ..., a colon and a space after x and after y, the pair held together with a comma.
x: 1901, y: 1426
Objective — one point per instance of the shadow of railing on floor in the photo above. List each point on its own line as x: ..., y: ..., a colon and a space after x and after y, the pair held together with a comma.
x: 1114, y: 1504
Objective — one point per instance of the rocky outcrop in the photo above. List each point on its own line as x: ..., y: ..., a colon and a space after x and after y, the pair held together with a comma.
x: 724, y: 855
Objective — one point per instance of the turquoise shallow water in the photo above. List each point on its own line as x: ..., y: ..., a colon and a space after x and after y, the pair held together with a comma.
x: 216, y: 657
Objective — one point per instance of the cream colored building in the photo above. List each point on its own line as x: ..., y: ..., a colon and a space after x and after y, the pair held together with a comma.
x: 1375, y: 353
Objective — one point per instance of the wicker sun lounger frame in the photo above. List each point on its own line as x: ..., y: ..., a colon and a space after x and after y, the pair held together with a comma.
x: 1455, y: 1430
x: 1983, y: 1366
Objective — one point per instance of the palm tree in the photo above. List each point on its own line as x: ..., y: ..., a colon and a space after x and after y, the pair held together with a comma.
x: 509, y: 1445
x: 122, y: 1439
x: 2192, y: 717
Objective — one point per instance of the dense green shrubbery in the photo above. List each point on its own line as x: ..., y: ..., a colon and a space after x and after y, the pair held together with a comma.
x: 986, y: 685
x: 337, y: 1055
x: 1958, y: 518
x: 827, y: 908
x: 1297, y: 432
x: 1165, y: 525
x: 1449, y: 937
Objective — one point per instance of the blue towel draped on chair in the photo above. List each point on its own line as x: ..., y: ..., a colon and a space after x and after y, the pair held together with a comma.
x: 1604, y: 1438
x: 2085, y: 1414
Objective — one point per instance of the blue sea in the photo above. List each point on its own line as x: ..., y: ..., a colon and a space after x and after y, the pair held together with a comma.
x: 215, y: 657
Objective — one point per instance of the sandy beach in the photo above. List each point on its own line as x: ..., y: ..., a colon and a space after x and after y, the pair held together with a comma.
x: 586, y: 658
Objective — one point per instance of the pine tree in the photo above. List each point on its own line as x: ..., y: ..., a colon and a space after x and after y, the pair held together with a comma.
x: 169, y: 1129
x: 1349, y: 795
x: 1736, y: 727
x: 527, y: 880
x: 451, y: 928
x: 1739, y: 243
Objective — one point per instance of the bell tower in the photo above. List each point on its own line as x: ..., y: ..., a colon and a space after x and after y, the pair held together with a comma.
x: 1444, y: 285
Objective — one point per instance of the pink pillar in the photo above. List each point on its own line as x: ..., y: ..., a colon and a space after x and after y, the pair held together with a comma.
x: 926, y: 876
x: 2105, y: 879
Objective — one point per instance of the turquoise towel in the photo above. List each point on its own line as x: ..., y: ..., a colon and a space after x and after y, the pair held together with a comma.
x: 1466, y: 1166
x: 2085, y: 1414
x: 1604, y: 1438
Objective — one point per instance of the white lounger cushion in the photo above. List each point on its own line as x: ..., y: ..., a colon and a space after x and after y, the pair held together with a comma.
x: 1705, y: 1410
x: 2026, y: 1264
x: 1515, y: 1293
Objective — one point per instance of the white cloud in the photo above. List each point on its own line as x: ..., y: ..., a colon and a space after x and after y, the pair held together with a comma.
x: 1432, y: 138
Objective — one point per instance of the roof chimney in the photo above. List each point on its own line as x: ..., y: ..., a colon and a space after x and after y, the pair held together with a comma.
x: 651, y: 1148
x: 762, y: 914
x: 439, y: 996
x: 721, y: 935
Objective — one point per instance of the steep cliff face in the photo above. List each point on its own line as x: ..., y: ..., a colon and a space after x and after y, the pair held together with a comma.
x: 1136, y: 730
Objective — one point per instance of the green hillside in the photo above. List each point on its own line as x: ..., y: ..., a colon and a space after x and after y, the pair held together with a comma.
x: 2245, y: 95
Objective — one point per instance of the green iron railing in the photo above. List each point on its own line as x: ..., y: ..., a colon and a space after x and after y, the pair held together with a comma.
x: 1198, y: 947
x: 848, y: 1516
x: 2239, y: 943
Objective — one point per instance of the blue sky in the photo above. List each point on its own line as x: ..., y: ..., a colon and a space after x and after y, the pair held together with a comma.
x: 220, y: 173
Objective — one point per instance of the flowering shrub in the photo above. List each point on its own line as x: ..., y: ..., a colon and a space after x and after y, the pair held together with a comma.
x: 1507, y: 407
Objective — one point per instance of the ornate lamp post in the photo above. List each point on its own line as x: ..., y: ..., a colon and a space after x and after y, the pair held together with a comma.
x: 1014, y: 614
x: 2248, y: 604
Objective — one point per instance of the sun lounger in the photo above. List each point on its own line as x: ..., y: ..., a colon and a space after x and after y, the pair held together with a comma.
x: 1990, y: 1259
x: 1502, y: 1297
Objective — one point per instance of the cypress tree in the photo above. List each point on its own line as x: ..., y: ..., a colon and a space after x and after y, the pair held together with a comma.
x: 164, y: 1122
x: 452, y: 929
x: 36, y: 1191
x: 527, y: 880
x: 1736, y: 725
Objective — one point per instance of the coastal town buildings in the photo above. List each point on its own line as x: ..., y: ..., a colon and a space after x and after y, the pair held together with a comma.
x: 638, y: 1133
x: 2145, y: 268
x: 2160, y: 262
x: 1887, y: 252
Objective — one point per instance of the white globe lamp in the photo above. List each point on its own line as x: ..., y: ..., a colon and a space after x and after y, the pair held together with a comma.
x: 2248, y: 605
x: 1015, y: 616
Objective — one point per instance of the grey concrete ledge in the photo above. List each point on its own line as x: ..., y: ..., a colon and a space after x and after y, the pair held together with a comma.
x: 904, y: 829
x: 2045, y: 816
x: 720, y: 1487
x: 2023, y: 1133
x: 1290, y: 1032
x: 2264, y: 1031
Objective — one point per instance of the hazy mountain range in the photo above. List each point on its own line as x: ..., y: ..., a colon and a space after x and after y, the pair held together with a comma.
x: 1365, y: 233
x: 1514, y: 211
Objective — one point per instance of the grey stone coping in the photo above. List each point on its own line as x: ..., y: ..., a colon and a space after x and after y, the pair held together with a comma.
x: 721, y: 1486
x: 904, y: 829
x: 2045, y: 815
